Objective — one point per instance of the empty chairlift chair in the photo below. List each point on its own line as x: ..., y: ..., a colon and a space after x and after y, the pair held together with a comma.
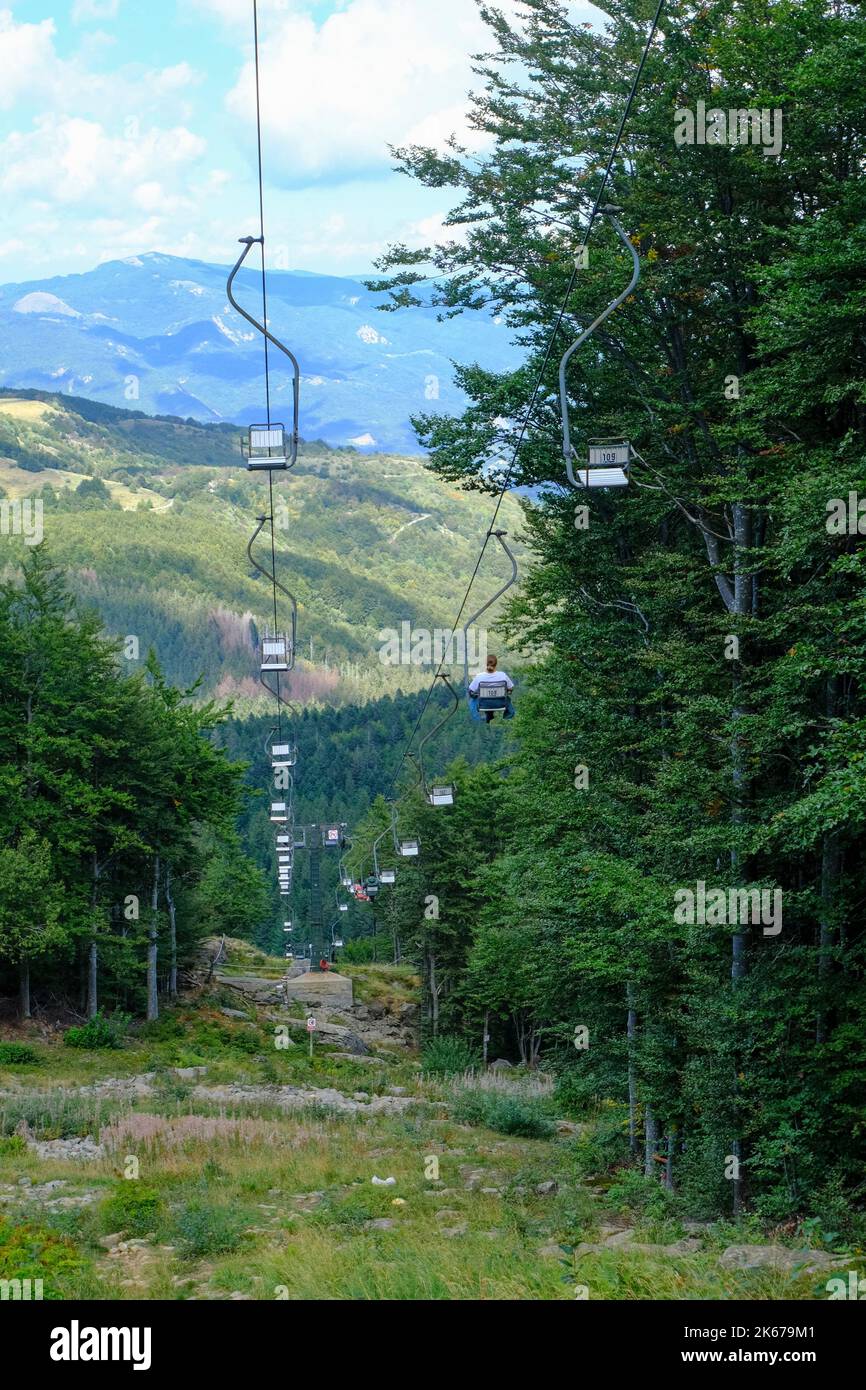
x: 276, y: 652
x: 283, y: 753
x: 442, y: 795
x: 608, y: 460
x: 279, y: 812
x: 607, y: 464
x: 266, y: 446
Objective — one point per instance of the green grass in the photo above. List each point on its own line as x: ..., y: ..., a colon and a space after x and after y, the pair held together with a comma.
x: 251, y: 1198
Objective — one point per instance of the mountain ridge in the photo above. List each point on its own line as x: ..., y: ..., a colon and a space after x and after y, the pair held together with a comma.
x: 157, y: 332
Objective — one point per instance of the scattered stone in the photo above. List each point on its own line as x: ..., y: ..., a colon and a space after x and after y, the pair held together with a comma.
x: 383, y: 1182
x: 551, y: 1250
x: 449, y: 1232
x: 109, y: 1242
x: 621, y: 1237
x: 189, y: 1073
x: 235, y: 1013
x: 25, y: 1182
x: 472, y: 1177
x: 501, y: 1065
x: 779, y: 1257
x: 446, y: 1213
x: 83, y: 1150
x: 491, y: 1191
x: 547, y: 1189
x: 396, y: 1090
x: 381, y: 1223
x: 361, y: 1011
x: 399, y: 1202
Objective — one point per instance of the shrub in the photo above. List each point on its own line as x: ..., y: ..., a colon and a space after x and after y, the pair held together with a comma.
x: 133, y: 1209
x: 99, y: 1031
x: 505, y: 1114
x: 447, y: 1056
x: 14, y: 1054
x: 12, y: 1145
x: 31, y: 1252
x: 205, y: 1229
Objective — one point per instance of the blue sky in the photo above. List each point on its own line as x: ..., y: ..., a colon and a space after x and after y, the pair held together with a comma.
x: 126, y: 126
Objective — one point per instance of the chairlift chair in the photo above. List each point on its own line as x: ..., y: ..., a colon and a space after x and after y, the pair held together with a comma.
x: 276, y: 652
x: 495, y: 696
x: 266, y: 446
x: 279, y: 812
x: 343, y: 907
x: 441, y: 796
x: 409, y: 848
x: 299, y: 837
x: 607, y: 464
x: 436, y: 796
x: 283, y: 754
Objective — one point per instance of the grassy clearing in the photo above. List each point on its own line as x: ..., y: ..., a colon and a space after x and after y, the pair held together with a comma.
x: 243, y: 1198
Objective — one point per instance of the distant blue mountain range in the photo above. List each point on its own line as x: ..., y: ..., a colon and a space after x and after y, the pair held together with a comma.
x: 161, y: 327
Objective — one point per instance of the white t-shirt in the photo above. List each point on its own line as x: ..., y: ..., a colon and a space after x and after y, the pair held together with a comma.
x: 490, y: 678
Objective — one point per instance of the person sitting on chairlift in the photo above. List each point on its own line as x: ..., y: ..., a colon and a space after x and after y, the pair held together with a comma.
x: 490, y: 677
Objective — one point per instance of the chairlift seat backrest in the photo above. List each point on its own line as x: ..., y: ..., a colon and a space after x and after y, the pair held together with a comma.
x: 387, y: 876
x: 492, y: 696
x: 408, y: 848
x: 441, y: 796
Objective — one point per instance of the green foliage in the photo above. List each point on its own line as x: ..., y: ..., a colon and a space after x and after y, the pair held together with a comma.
x: 29, y: 1251
x: 205, y: 1228
x: 17, y: 1055
x: 12, y: 1145
x: 133, y: 1209
x: 99, y: 1031
x: 448, y: 1056
x: 506, y: 1114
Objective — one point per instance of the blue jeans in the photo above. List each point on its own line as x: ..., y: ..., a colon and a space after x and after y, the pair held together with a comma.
x: 482, y: 714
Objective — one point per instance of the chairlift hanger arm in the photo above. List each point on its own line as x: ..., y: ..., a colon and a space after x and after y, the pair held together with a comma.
x: 567, y: 446
x: 248, y: 242
x: 417, y: 758
x: 272, y: 578
x: 500, y: 535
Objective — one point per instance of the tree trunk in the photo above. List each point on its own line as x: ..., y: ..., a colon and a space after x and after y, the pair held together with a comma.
x: 651, y: 1138
x: 172, y: 935
x: 669, y: 1160
x: 152, y: 1000
x: 434, y: 993
x: 485, y: 1037
x: 631, y: 1034
x: 24, y: 989
x: 92, y: 1006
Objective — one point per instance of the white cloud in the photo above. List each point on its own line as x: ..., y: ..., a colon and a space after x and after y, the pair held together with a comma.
x: 26, y: 56
x: 70, y: 160
x: 375, y: 73
x: 85, y: 10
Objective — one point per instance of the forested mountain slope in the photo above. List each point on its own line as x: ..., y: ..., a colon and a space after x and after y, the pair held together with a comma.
x: 150, y: 519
